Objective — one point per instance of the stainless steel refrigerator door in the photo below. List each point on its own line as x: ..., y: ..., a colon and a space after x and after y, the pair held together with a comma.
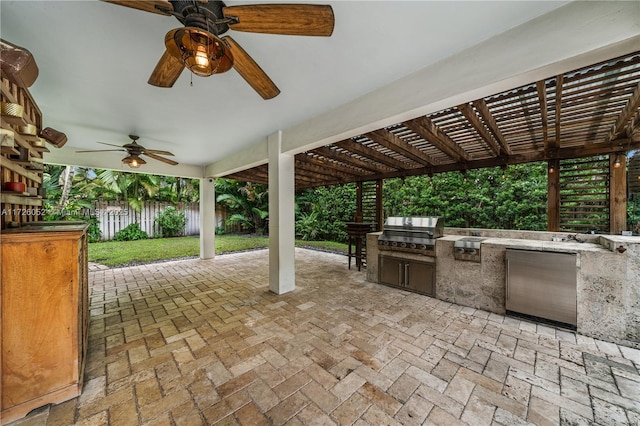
x: 542, y: 284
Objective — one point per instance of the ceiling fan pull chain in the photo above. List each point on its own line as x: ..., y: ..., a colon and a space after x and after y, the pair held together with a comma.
x: 191, y: 84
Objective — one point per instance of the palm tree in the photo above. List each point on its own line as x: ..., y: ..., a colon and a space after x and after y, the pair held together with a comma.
x: 247, y: 202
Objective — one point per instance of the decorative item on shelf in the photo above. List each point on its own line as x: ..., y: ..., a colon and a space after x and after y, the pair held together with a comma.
x: 35, y: 163
x: 54, y: 137
x: 7, y: 142
x: 18, y: 64
x: 15, y: 187
x: 33, y: 191
x: 12, y: 113
x: 28, y: 131
x: 39, y: 145
x: 22, y: 156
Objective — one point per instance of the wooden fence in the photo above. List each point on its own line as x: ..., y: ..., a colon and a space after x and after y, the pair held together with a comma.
x: 114, y: 216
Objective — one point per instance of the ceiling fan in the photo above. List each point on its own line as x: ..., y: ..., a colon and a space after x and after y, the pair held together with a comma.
x: 135, y: 150
x: 199, y: 47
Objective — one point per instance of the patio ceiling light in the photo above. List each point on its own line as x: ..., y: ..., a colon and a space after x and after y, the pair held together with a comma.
x: 133, y: 161
x: 201, y: 52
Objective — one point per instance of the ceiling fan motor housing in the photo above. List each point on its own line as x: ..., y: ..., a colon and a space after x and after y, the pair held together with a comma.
x: 206, y: 16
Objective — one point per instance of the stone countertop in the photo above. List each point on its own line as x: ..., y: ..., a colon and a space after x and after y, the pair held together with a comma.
x: 537, y: 245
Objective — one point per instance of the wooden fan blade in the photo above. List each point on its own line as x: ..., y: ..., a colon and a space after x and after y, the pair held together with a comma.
x: 291, y: 19
x: 166, y: 71
x: 110, y: 144
x: 146, y: 5
x: 251, y: 71
x: 103, y: 150
x: 157, y: 157
x: 157, y: 152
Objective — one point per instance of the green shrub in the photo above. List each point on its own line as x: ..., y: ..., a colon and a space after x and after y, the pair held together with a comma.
x: 131, y: 233
x: 171, y: 222
x: 94, y: 233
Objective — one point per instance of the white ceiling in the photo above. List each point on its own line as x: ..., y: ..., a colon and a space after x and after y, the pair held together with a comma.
x: 95, y: 59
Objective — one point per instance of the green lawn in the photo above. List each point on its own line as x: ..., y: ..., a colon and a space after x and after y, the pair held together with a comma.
x: 119, y: 253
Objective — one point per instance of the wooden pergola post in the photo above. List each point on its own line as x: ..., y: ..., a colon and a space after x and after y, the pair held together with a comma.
x: 359, y: 214
x: 553, y: 195
x: 379, y: 210
x: 617, y: 193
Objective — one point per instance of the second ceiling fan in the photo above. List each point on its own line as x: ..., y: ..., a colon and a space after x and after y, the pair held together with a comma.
x: 199, y: 47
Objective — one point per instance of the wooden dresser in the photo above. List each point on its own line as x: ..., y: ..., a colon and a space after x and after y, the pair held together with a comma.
x: 45, y: 315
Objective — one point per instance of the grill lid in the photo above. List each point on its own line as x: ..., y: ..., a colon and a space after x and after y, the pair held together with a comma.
x: 412, y: 230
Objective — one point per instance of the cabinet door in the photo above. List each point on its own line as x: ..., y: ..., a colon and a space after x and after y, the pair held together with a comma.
x: 390, y: 270
x: 39, y: 308
x: 419, y: 277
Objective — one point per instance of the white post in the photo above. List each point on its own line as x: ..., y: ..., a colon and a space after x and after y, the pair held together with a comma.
x: 282, y: 267
x: 207, y: 218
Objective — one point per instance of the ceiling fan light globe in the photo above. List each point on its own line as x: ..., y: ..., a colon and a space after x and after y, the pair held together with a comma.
x: 133, y: 161
x: 201, y: 52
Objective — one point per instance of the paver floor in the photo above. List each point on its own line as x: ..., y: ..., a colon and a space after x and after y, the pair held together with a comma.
x: 204, y: 342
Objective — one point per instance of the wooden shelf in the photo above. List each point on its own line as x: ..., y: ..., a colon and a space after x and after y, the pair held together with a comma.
x: 27, y: 164
x: 10, y: 150
x: 21, y: 199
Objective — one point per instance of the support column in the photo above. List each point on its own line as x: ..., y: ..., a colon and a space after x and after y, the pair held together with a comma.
x: 553, y: 195
x: 207, y: 218
x: 282, y: 267
x: 617, y: 193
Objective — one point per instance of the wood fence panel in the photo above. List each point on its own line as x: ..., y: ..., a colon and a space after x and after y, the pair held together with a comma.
x: 114, y: 216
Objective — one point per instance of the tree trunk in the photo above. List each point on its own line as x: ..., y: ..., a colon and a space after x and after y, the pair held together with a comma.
x: 66, y: 177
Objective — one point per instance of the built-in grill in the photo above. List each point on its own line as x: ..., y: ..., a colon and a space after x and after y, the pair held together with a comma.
x: 411, y: 234
x: 468, y: 248
x: 404, y: 235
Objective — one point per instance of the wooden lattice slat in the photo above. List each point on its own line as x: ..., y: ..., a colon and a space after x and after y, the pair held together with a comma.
x: 584, y: 194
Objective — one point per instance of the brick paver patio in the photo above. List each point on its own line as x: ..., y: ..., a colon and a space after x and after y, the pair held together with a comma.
x: 204, y: 342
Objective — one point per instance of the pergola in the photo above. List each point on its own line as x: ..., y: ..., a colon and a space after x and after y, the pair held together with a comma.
x: 591, y: 111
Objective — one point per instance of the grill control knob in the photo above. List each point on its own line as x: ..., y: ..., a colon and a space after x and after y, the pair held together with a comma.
x: 472, y: 251
x: 459, y: 250
x: 422, y: 246
x: 403, y: 244
x: 412, y: 245
x: 394, y: 244
x: 386, y: 243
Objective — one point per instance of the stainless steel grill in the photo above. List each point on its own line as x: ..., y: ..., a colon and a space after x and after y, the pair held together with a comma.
x: 411, y: 234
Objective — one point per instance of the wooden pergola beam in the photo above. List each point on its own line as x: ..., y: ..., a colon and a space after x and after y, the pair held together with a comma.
x: 483, y: 110
x: 625, y: 115
x: 372, y: 154
x: 474, y: 120
x: 330, y: 165
x: 517, y: 158
x: 394, y: 143
x: 327, y: 152
x: 542, y: 98
x: 559, y: 81
x: 322, y: 168
x: 427, y: 130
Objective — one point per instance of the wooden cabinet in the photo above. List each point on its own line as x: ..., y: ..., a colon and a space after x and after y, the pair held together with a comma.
x: 45, y: 315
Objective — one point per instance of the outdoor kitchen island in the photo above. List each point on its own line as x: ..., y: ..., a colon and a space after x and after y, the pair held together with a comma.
x: 607, y: 274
